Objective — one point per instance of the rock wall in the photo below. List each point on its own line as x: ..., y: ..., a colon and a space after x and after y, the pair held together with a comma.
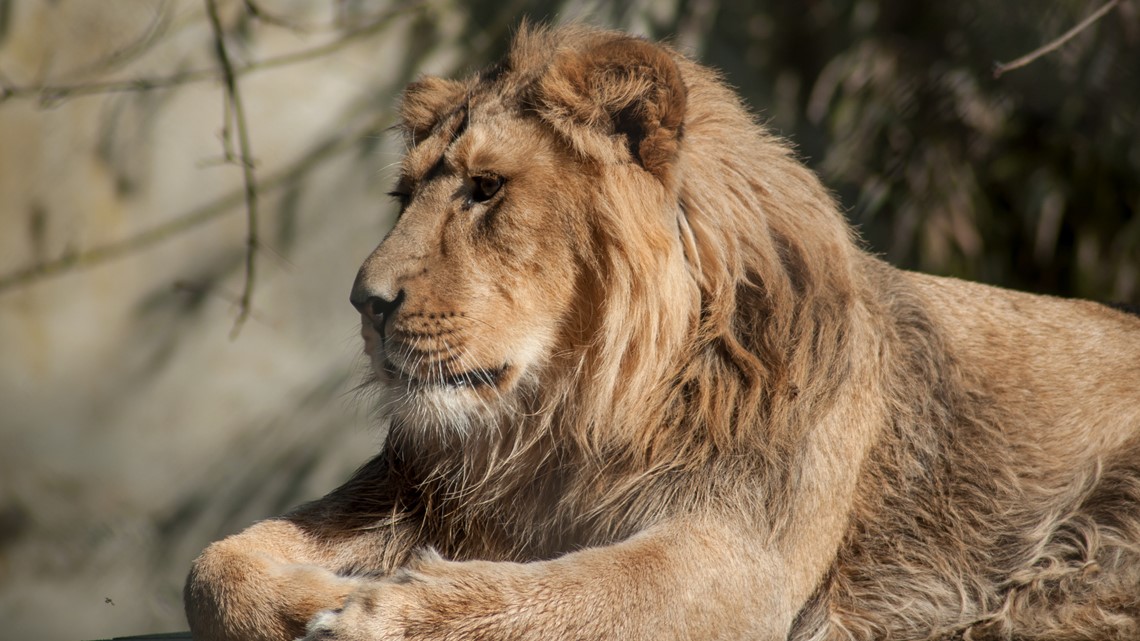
x: 133, y: 428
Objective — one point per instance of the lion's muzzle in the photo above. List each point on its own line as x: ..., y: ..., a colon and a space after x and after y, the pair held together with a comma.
x: 373, y: 305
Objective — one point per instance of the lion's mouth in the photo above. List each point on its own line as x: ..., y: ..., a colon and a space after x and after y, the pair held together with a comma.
x: 468, y: 379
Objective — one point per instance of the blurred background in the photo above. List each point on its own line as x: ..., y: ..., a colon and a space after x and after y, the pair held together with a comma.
x: 141, y: 419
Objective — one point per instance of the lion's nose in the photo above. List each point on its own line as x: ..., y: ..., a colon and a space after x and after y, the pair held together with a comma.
x: 374, y: 304
x: 376, y: 307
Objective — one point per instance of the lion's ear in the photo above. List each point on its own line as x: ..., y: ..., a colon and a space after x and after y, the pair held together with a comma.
x: 624, y: 88
x: 425, y: 102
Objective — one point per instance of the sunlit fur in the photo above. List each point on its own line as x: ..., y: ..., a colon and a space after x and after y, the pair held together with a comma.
x: 923, y: 457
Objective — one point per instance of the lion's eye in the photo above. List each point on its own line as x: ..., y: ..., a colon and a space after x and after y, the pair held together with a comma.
x: 401, y: 197
x: 485, y: 187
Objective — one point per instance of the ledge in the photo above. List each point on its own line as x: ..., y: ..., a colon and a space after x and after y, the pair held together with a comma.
x: 159, y: 637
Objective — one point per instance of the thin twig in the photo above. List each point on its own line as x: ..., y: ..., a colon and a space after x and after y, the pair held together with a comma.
x: 259, y: 13
x: 152, y: 34
x: 227, y: 134
x: 245, y: 157
x: 203, y: 290
x: 50, y: 95
x: 1001, y: 68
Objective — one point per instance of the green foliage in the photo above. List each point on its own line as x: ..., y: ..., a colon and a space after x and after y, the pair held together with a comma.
x: 1031, y: 180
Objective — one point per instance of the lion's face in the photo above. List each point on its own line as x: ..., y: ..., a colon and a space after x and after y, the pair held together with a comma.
x: 467, y: 295
x: 486, y: 280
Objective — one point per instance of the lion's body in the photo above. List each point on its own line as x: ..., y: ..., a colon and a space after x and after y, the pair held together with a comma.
x: 645, y: 385
x: 1034, y: 490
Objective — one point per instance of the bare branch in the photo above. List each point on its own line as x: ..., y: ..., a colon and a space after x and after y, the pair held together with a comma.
x: 245, y: 158
x: 259, y: 13
x: 51, y: 95
x: 152, y: 34
x: 200, y: 290
x: 1002, y: 68
x: 72, y: 259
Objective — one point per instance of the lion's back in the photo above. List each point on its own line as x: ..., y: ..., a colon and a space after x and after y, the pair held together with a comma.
x: 1016, y: 429
x: 1065, y: 373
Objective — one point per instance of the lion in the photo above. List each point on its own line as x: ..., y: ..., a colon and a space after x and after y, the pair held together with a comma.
x: 644, y: 383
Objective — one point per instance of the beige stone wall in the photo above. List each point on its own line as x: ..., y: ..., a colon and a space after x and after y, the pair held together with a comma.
x: 133, y: 429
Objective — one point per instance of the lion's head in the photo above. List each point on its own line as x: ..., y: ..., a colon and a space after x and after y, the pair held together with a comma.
x: 590, y: 233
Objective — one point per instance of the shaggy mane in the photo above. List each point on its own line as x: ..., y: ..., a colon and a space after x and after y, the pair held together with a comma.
x: 738, y: 356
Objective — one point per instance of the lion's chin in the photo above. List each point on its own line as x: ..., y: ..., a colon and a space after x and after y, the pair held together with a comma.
x: 472, y: 379
x: 446, y: 404
x: 442, y: 399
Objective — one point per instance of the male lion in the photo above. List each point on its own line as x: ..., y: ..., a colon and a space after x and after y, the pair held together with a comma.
x: 644, y: 384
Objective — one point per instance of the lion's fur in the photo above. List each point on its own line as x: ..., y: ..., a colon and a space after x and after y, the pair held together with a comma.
x: 929, y: 457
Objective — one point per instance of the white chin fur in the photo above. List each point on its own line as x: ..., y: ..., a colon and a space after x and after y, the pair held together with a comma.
x: 436, y: 407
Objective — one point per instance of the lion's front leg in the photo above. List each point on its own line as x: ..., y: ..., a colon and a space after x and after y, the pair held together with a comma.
x: 261, y: 585
x: 671, y: 583
x: 267, y: 582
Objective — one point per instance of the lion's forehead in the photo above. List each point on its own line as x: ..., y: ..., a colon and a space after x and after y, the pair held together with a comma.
x: 488, y: 103
x: 487, y: 135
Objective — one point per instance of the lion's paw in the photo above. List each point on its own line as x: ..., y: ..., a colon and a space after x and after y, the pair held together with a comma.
x: 322, y: 626
x: 368, y: 615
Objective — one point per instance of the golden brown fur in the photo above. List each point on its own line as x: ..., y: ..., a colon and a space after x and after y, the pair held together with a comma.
x: 643, y: 384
